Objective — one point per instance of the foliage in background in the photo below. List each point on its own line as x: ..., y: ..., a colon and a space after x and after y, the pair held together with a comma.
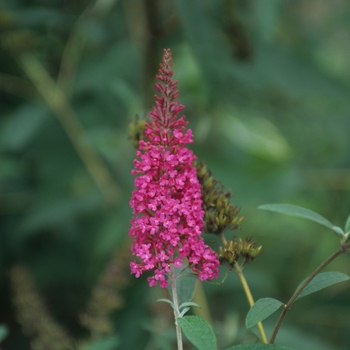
x: 266, y: 87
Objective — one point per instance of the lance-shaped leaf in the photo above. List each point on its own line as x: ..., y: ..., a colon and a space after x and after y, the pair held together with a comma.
x: 347, y: 225
x: 198, y: 332
x: 322, y: 280
x: 262, y: 309
x: 299, y: 212
x: 258, y: 347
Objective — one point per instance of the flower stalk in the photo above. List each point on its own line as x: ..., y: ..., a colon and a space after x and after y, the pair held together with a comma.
x: 176, y: 199
x: 167, y: 225
x: 172, y: 278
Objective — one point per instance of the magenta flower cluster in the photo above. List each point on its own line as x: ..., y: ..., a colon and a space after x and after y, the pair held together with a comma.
x: 167, y: 206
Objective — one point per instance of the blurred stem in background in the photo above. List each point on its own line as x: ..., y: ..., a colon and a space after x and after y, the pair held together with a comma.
x: 73, y: 48
x: 59, y: 104
x: 56, y: 94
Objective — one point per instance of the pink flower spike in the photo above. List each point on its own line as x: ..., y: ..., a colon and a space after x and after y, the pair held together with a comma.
x: 167, y: 218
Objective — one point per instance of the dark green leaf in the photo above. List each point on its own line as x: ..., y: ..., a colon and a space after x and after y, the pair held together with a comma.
x: 262, y: 309
x: 198, y: 332
x: 321, y: 281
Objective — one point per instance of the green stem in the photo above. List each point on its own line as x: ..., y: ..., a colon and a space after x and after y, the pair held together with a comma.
x: 250, y: 298
x: 342, y: 249
x: 172, y: 277
x: 73, y: 49
x: 59, y: 104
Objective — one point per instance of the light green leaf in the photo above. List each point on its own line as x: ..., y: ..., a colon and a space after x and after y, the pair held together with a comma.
x: 347, y: 225
x: 300, y: 212
x: 321, y: 281
x: 258, y: 347
x: 189, y: 303
x: 109, y: 343
x: 198, y: 332
x: 185, y: 307
x: 183, y: 312
x: 262, y: 309
x: 3, y: 332
x: 165, y: 301
x: 255, y: 135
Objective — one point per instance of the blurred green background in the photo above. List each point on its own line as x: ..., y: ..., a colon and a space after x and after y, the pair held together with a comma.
x: 266, y: 85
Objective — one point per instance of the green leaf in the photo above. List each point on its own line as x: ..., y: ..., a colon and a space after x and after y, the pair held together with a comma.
x: 189, y: 303
x: 22, y: 127
x: 262, y: 309
x: 109, y: 343
x: 258, y: 347
x: 255, y: 135
x: 300, y: 212
x: 347, y: 225
x: 198, y: 332
x: 166, y: 301
x: 3, y: 332
x: 184, y: 311
x: 321, y: 281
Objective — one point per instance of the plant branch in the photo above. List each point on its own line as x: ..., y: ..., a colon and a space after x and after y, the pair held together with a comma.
x: 59, y: 104
x: 76, y: 41
x: 342, y: 249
